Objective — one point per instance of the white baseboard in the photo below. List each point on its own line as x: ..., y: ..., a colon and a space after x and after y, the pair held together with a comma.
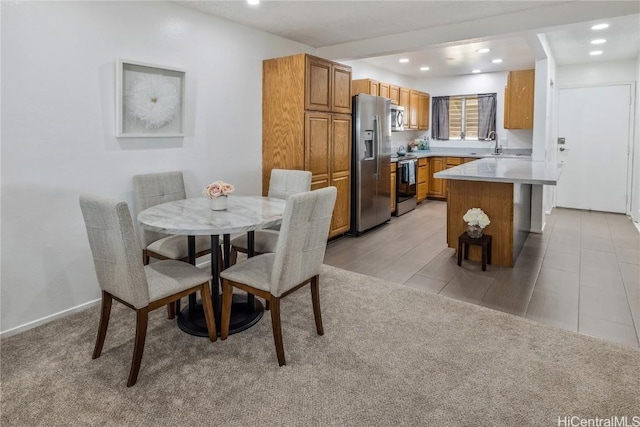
x: 64, y: 313
x: 47, y: 319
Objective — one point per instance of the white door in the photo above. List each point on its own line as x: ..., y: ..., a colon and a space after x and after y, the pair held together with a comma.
x: 594, y: 121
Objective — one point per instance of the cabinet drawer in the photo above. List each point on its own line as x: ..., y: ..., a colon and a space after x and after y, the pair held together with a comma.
x: 423, y: 161
x: 454, y: 161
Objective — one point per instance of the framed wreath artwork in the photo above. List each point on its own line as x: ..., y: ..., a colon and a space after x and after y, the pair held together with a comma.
x: 149, y: 100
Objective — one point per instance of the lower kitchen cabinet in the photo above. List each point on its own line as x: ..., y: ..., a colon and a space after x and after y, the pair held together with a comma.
x: 422, y: 180
x: 327, y: 155
x: 436, y: 185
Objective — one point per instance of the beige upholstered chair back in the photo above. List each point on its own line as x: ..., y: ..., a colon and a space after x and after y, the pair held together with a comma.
x: 283, y: 183
x: 115, y: 249
x: 153, y: 189
x: 303, y: 238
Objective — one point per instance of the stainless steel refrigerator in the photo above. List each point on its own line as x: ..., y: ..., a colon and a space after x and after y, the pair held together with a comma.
x: 371, y: 163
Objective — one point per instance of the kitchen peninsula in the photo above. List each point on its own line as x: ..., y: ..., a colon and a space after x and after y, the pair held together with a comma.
x: 501, y: 187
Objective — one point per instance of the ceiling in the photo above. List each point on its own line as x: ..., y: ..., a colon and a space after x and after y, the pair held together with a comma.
x: 443, y: 35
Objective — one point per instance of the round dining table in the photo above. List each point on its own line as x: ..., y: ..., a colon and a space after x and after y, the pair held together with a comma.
x: 195, y: 217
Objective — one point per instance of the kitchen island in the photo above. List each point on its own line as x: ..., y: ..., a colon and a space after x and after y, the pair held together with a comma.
x: 501, y: 187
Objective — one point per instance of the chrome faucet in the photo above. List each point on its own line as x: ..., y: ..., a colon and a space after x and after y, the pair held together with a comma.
x: 492, y: 135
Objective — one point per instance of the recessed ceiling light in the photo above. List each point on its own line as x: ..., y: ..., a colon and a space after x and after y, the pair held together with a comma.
x: 595, y: 52
x: 598, y: 41
x: 476, y: 71
x: 404, y: 60
x: 496, y: 61
x: 424, y: 68
x: 600, y: 26
x: 253, y: 2
x: 483, y: 50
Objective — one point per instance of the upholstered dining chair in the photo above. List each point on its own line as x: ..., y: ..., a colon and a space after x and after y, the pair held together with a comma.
x: 123, y: 277
x: 282, y: 184
x: 150, y: 190
x: 296, y: 261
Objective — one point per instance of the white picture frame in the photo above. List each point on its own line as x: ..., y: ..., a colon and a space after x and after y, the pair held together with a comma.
x: 150, y: 100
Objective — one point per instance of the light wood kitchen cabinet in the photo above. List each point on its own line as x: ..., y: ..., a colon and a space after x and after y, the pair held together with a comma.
x: 384, y: 90
x: 368, y: 86
x: 394, y: 167
x: 422, y: 180
x: 340, y: 88
x: 424, y: 103
x: 414, y: 101
x: 394, y: 94
x: 518, y: 100
x: 340, y: 170
x: 327, y: 86
x: 306, y: 125
x: 436, y: 185
x: 405, y: 99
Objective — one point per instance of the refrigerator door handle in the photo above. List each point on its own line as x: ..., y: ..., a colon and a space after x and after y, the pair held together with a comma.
x: 376, y: 144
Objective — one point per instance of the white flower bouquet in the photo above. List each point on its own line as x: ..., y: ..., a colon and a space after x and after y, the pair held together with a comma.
x: 217, y: 189
x: 476, y: 216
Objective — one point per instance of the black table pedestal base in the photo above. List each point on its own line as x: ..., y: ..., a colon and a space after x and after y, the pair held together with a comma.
x: 193, y: 323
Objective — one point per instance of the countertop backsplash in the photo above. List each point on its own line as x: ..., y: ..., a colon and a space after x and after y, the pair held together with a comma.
x: 514, y: 141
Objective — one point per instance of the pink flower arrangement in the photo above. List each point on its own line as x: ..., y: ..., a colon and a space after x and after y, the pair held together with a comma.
x: 217, y: 189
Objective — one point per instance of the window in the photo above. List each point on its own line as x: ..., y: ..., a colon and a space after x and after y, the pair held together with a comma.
x: 464, y: 117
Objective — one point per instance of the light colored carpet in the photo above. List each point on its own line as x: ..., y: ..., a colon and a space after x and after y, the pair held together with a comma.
x: 391, y: 355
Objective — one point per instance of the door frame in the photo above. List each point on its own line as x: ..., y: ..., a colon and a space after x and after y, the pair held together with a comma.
x: 631, y: 146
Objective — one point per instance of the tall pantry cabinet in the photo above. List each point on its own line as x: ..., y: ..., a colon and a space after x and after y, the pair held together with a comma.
x: 306, y: 125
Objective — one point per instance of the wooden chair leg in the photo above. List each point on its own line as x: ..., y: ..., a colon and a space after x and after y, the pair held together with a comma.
x: 315, y: 299
x: 277, y: 330
x: 105, y: 313
x: 142, y: 317
x: 171, y: 310
x: 209, y: 317
x: 227, y: 297
x: 233, y: 257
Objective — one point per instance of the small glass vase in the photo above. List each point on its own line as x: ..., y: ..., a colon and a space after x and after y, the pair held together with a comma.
x: 218, y: 203
x: 474, y: 231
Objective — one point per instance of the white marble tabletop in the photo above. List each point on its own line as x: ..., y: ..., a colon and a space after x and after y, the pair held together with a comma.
x: 522, y: 171
x: 194, y: 217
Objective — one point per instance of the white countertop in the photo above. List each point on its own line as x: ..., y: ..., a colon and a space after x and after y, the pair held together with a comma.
x: 464, y: 152
x: 518, y: 170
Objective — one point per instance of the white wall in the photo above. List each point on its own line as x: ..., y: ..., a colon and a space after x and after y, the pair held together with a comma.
x: 472, y: 84
x: 458, y: 85
x: 611, y: 72
x: 635, y: 183
x: 58, y: 69
x: 362, y: 70
x: 544, y: 131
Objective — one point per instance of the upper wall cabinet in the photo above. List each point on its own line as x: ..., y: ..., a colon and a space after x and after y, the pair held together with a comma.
x: 416, y: 104
x: 423, y: 111
x: 518, y: 100
x: 368, y: 86
x: 394, y: 94
x: 327, y: 86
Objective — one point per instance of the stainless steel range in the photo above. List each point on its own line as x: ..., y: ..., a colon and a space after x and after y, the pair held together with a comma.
x: 406, y: 184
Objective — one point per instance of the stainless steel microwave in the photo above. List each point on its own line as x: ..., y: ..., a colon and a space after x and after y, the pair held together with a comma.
x: 397, y: 118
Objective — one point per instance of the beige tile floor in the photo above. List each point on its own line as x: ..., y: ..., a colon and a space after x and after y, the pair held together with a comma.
x: 581, y: 274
